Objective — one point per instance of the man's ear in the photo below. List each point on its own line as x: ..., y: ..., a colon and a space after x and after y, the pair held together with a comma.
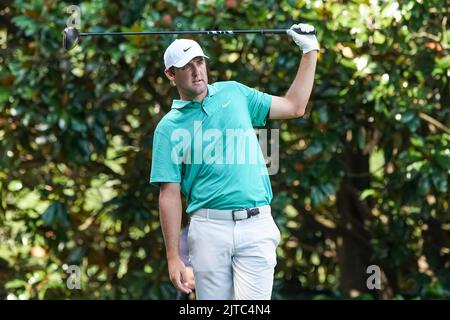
x: 170, y: 74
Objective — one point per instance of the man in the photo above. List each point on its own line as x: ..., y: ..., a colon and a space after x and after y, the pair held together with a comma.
x: 232, y: 236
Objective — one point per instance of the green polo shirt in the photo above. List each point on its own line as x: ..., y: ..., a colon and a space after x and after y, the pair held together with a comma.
x: 211, y: 149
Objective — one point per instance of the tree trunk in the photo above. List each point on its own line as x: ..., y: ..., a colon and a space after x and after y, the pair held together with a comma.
x: 354, y: 249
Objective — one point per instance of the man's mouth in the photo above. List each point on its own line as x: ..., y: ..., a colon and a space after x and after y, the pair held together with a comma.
x: 197, y: 81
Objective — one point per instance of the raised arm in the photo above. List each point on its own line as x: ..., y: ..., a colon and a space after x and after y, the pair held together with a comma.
x: 293, y: 104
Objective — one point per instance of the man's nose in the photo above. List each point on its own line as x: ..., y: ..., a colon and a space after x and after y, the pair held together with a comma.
x: 195, y: 69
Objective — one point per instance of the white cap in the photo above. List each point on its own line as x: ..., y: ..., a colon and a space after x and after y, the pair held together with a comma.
x: 181, y: 51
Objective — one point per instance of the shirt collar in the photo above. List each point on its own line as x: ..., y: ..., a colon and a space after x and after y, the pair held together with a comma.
x: 178, y: 104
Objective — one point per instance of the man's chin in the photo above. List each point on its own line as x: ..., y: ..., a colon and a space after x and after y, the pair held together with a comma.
x: 199, y: 89
x: 196, y: 91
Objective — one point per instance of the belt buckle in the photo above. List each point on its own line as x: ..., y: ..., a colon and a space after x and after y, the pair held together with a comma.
x: 250, y: 213
x: 234, y: 217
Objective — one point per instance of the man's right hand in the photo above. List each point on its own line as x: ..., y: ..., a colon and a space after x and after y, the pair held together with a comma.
x: 178, y: 275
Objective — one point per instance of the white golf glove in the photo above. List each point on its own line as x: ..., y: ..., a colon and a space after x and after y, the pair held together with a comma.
x: 306, y: 43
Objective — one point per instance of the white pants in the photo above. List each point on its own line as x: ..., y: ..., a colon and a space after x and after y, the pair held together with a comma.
x: 233, y: 259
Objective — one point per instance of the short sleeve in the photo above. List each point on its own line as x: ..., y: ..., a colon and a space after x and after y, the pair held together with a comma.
x: 258, y: 104
x: 165, y: 167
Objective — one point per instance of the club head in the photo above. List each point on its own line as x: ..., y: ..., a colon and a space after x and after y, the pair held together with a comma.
x: 71, y: 38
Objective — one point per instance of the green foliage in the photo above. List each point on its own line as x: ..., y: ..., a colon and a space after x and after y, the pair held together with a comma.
x: 372, y: 153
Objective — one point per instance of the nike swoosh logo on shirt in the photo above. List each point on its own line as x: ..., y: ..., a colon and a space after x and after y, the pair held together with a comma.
x: 187, y: 49
x: 226, y: 104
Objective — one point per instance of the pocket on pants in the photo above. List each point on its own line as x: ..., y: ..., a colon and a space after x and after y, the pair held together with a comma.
x: 190, y: 240
x: 276, y: 230
x: 193, y: 225
x: 271, y: 231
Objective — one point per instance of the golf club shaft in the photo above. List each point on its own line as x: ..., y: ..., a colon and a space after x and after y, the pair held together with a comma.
x: 208, y: 32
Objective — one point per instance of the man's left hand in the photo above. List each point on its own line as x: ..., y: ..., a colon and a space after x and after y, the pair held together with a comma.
x: 306, y: 42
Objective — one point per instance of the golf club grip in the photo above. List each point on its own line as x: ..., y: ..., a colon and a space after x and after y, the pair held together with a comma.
x: 207, y: 32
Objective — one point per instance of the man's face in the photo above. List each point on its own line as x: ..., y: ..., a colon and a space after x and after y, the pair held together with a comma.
x: 191, y: 80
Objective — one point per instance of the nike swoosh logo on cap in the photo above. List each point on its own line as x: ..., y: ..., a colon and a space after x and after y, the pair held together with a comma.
x: 187, y: 49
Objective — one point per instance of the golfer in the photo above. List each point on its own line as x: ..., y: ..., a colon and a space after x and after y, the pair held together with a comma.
x: 202, y: 147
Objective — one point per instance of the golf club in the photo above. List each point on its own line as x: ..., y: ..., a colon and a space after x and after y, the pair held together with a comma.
x: 72, y: 37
